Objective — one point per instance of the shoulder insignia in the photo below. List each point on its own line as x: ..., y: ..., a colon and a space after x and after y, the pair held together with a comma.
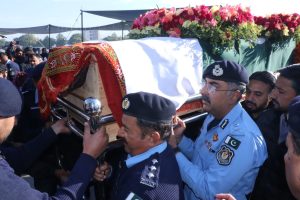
x: 225, y: 155
x: 231, y: 141
x: 150, y: 176
x: 224, y: 123
x: 133, y: 196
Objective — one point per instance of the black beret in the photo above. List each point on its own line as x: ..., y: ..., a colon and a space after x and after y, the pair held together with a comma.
x: 294, y: 116
x: 148, y: 106
x: 10, y: 101
x: 227, y: 71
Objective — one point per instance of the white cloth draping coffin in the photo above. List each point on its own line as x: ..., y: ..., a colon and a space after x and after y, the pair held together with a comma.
x: 170, y: 67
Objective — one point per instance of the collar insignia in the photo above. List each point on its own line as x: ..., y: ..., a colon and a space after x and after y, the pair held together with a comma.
x: 125, y: 104
x: 215, y: 137
x: 224, y: 123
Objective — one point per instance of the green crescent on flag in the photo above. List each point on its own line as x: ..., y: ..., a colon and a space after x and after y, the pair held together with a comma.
x: 231, y: 141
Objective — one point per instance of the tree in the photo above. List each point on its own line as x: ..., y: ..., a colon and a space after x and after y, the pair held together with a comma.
x: 2, y: 43
x: 75, y: 38
x: 61, y: 40
x: 27, y: 40
x: 45, y: 42
x: 112, y: 37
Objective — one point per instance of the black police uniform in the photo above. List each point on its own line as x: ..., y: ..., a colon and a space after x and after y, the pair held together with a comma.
x: 15, y: 188
x: 154, y: 174
x: 166, y: 184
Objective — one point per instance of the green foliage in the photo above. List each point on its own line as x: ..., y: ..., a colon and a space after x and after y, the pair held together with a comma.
x: 75, y: 38
x: 61, y: 40
x: 28, y: 40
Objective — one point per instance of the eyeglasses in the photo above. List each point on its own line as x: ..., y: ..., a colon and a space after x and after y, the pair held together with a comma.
x: 212, y: 88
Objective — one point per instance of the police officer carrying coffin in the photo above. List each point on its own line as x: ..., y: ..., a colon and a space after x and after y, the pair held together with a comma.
x: 14, y: 187
x: 226, y: 157
x: 150, y: 170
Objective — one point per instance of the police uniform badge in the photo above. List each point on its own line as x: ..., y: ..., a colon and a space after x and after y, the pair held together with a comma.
x: 215, y: 137
x: 217, y: 71
x: 150, y: 174
x: 225, y: 155
x: 125, y: 104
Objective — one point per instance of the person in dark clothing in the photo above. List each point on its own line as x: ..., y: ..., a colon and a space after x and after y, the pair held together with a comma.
x: 259, y: 106
x: 15, y: 188
x: 149, y: 169
x: 44, y: 54
x: 20, y: 59
x: 292, y: 157
x: 12, y: 67
x: 271, y: 182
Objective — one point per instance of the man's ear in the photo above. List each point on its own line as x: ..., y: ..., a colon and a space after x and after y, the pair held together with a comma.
x: 236, y: 97
x: 155, y: 137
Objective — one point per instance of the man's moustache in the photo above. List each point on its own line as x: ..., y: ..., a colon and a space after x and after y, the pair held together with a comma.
x: 250, y: 102
x: 205, y: 98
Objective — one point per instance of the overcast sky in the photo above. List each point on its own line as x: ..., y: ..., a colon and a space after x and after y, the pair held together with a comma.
x: 28, y: 13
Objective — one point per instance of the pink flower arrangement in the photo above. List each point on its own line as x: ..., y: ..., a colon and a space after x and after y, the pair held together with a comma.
x: 280, y: 26
x: 221, y: 27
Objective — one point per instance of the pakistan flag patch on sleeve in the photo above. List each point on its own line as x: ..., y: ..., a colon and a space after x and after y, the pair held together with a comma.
x: 231, y: 141
x: 133, y: 196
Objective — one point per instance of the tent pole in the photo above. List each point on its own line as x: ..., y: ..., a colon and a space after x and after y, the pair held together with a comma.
x: 81, y: 25
x: 122, y: 30
x: 49, y: 26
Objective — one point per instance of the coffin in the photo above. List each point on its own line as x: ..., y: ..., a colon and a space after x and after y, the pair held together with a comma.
x: 170, y: 67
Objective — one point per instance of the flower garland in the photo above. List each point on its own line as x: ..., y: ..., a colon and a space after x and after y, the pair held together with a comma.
x: 280, y: 27
x: 220, y: 27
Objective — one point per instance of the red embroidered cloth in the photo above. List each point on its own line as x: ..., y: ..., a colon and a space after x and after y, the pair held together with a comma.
x: 65, y: 63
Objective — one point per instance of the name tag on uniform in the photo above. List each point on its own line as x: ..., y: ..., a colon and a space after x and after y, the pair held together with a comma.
x: 133, y: 196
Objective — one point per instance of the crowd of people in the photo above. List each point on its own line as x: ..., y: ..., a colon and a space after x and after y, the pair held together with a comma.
x: 248, y: 147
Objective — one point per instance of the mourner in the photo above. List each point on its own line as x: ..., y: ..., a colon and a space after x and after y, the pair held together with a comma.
x: 292, y: 157
x: 226, y: 157
x: 257, y: 99
x: 271, y: 181
x: 14, y: 187
x: 150, y: 170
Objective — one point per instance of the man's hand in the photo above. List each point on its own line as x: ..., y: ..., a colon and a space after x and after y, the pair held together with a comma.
x: 60, y: 126
x: 102, y: 172
x: 224, y: 197
x: 177, y: 132
x: 94, y: 144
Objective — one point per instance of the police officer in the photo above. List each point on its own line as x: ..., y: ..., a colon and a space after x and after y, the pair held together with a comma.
x: 225, y: 158
x: 14, y: 187
x: 292, y: 157
x: 12, y: 67
x: 149, y: 170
